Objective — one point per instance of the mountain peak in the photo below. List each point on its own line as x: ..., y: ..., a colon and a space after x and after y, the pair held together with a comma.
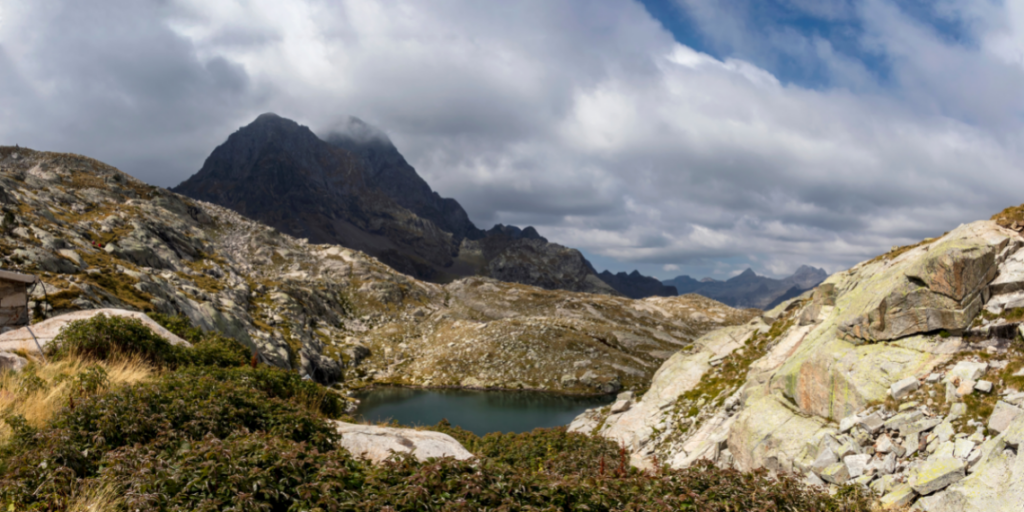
x: 746, y: 275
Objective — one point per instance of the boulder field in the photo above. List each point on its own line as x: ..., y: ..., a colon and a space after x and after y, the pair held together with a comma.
x: 903, y: 374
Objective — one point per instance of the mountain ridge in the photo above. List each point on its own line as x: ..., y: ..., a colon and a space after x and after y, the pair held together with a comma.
x: 747, y: 289
x: 358, y: 191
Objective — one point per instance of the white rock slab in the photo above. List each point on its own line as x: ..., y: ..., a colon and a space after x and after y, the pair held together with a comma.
x: 46, y: 330
x: 378, y: 443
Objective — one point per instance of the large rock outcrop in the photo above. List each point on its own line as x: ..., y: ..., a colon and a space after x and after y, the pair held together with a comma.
x: 886, y: 375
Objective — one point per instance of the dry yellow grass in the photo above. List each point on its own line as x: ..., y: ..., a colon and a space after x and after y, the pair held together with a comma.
x: 38, y: 406
x: 97, y: 499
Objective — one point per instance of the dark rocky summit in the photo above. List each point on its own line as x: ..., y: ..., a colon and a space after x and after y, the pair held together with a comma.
x: 355, y: 189
x: 750, y: 290
x: 278, y: 172
x: 637, y: 286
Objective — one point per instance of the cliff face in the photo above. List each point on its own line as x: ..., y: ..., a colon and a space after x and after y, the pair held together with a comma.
x: 98, y: 238
x: 902, y: 373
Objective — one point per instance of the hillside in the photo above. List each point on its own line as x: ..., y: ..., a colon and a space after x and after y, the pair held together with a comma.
x: 99, y: 238
x: 903, y: 374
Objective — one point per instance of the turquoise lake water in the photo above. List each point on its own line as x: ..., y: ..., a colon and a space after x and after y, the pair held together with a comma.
x: 480, y: 412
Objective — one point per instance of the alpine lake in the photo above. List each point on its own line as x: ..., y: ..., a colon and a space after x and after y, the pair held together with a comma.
x: 480, y: 412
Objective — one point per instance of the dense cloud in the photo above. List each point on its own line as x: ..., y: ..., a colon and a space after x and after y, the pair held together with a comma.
x: 879, y: 125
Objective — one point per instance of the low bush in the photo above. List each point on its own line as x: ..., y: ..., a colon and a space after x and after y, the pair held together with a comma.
x: 103, y: 337
x: 176, y: 409
x: 548, y: 449
x: 277, y: 383
x: 179, y: 325
x: 247, y: 472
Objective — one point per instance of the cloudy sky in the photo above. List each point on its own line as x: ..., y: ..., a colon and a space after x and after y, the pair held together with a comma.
x: 691, y: 137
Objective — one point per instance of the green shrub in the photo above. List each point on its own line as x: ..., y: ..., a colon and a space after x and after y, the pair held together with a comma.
x: 176, y: 409
x: 247, y: 472
x: 89, y: 381
x: 102, y: 337
x: 278, y: 383
x: 217, y: 350
x: 179, y: 325
x: 552, y: 449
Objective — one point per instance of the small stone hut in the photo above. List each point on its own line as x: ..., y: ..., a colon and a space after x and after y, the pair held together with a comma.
x: 14, y: 299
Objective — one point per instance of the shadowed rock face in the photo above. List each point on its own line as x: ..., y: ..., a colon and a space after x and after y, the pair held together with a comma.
x: 386, y: 169
x: 637, y: 286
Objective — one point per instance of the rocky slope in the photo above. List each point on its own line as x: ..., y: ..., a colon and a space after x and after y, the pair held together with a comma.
x: 99, y: 238
x: 903, y: 373
x: 637, y: 286
x: 749, y: 290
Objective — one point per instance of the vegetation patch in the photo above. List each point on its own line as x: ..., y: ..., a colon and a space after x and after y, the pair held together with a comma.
x: 1009, y: 216
x: 105, y: 337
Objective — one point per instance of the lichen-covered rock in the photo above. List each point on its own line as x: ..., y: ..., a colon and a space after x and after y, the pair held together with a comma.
x: 993, y: 487
x: 935, y: 286
x: 679, y: 375
x: 936, y: 474
x: 901, y: 496
x: 756, y: 440
x: 1003, y: 416
x: 890, y: 329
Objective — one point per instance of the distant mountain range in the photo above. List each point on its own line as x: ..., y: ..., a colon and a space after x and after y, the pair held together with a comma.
x: 749, y: 290
x: 354, y: 188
